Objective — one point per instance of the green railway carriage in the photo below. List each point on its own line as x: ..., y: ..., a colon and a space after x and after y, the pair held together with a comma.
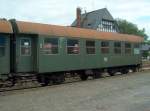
x: 49, y: 52
x: 46, y: 49
x: 5, y: 36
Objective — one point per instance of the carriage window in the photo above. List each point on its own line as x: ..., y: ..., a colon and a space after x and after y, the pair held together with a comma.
x: 90, y: 47
x: 2, y: 46
x: 72, y: 46
x: 127, y: 48
x: 50, y: 46
x: 104, y: 47
x: 25, y: 47
x: 117, y: 48
x: 136, y: 46
x: 137, y: 49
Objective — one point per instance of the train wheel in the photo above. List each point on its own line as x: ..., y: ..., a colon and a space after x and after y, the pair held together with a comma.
x: 13, y: 81
x: 134, y: 69
x: 83, y: 77
x: 43, y: 80
x: 124, y: 71
x: 58, y: 78
x: 111, y: 72
x: 97, y: 75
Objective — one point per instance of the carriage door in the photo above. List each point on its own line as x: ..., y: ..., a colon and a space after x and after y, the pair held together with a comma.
x: 25, y: 60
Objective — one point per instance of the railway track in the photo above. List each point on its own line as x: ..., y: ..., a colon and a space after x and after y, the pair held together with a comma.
x: 30, y: 84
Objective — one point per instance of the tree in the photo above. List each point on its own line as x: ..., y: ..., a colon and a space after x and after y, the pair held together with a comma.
x: 126, y: 27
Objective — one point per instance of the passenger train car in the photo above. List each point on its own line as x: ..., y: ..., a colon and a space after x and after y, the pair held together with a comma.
x: 49, y: 52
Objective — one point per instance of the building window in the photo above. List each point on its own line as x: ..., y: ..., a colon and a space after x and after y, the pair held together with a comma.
x: 73, y: 46
x: 104, y: 47
x: 107, y: 26
x: 127, y: 48
x: 50, y: 46
x: 25, y: 47
x: 90, y: 47
x: 2, y: 46
x: 117, y: 48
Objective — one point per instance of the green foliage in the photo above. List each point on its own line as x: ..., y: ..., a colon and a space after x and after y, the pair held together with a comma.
x: 147, y: 42
x: 145, y: 53
x: 126, y: 27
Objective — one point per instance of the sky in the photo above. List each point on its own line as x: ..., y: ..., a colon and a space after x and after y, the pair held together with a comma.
x: 63, y: 12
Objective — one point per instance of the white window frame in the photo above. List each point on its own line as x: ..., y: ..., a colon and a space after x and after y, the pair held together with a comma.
x: 102, y: 47
x: 72, y: 46
x: 91, y: 47
x: 118, y: 48
x: 30, y: 46
x: 128, y: 49
x: 53, y: 46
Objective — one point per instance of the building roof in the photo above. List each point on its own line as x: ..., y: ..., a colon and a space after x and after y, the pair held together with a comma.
x: 94, y: 17
x: 5, y: 26
x: 54, y: 30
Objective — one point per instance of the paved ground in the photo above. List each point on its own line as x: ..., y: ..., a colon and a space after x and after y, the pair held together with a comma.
x: 120, y: 93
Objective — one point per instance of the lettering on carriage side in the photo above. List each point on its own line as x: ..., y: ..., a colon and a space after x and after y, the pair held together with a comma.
x: 105, y: 59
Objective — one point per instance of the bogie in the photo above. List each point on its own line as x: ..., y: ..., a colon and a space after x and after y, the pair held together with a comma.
x: 83, y: 77
x: 97, y: 74
x: 124, y: 71
x: 111, y: 72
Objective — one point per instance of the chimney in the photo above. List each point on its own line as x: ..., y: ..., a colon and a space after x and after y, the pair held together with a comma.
x: 78, y: 17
